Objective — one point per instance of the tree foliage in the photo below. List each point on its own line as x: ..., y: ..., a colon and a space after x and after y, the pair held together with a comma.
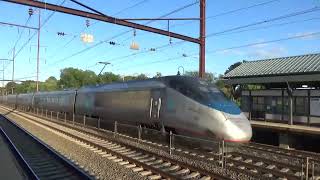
x: 209, y: 77
x: 69, y: 78
x: 75, y: 78
x: 158, y: 74
x: 108, y: 77
x: 233, y: 66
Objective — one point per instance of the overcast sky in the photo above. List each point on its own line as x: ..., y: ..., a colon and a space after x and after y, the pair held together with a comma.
x: 224, y: 47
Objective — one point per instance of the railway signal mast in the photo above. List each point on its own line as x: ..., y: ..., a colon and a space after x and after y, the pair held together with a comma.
x: 127, y: 22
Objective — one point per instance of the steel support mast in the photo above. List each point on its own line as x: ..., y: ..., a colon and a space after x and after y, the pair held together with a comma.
x: 38, y: 51
x: 102, y: 17
x: 202, y: 53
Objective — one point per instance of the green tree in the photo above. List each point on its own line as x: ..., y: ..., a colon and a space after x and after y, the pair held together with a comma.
x: 75, y: 78
x: 10, y: 87
x: 209, y: 77
x: 108, y: 77
x: 233, y: 66
x: 141, y: 77
x: 51, y: 84
x: 26, y: 87
x: 158, y: 74
x: 138, y: 77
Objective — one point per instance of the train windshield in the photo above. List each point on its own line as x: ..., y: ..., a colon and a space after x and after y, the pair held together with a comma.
x: 217, y: 100
x: 205, y: 93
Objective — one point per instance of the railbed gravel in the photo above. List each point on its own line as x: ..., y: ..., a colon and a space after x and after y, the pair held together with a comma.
x: 101, y: 167
x: 180, y: 156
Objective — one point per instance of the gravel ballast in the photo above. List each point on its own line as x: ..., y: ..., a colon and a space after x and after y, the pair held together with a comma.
x: 180, y: 156
x: 94, y: 163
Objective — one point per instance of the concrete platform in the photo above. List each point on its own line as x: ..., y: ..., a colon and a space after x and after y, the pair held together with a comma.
x: 9, y: 167
x: 286, y: 127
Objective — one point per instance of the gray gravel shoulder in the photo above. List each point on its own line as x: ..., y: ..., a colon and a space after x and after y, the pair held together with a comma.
x: 92, y: 162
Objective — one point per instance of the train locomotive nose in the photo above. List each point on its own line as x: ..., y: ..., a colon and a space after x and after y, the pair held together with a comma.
x: 237, y: 129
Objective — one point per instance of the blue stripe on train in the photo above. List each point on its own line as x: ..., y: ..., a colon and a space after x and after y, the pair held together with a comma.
x: 226, y: 106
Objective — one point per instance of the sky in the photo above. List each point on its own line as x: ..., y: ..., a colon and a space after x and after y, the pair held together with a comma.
x: 296, y: 32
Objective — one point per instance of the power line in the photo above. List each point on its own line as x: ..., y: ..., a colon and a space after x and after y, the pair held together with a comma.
x: 267, y: 42
x: 229, y: 12
x: 120, y: 34
x: 230, y: 48
x: 146, y: 51
x: 20, y: 34
x: 45, y: 21
x: 241, y: 9
x: 266, y: 21
x: 269, y: 26
x: 130, y: 7
x: 120, y: 11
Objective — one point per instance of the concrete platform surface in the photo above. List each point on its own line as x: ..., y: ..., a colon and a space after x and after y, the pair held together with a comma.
x: 9, y: 167
x: 286, y: 127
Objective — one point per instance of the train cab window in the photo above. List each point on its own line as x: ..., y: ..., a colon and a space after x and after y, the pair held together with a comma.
x: 183, y: 88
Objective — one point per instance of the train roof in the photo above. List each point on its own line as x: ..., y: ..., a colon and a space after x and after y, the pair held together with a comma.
x: 160, y: 82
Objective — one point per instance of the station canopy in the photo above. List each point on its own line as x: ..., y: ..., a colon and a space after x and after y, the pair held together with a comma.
x: 277, y: 72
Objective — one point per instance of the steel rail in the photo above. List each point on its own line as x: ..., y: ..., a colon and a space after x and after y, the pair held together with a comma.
x: 148, y: 167
x: 76, y: 171
x: 264, y: 170
x: 22, y: 162
x: 272, y: 162
x: 249, y: 166
x: 285, y: 152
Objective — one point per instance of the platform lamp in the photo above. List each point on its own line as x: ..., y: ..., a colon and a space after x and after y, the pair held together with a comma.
x: 105, y: 63
x: 179, y: 70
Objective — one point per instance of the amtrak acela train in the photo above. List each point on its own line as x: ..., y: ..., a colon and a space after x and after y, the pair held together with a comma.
x: 185, y: 105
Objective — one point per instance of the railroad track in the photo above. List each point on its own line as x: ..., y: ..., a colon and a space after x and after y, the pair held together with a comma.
x: 149, y: 164
x: 37, y: 159
x: 282, y: 151
x: 254, y: 166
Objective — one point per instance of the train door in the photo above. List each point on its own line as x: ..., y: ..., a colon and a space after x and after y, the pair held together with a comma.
x: 155, y: 106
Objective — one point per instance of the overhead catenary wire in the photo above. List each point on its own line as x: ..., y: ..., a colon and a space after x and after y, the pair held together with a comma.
x: 96, y: 22
x: 213, y: 16
x: 230, y: 12
x: 44, y: 22
x: 20, y: 34
x: 267, y: 42
x: 225, y: 49
x: 122, y: 33
x: 268, y: 26
x: 266, y: 21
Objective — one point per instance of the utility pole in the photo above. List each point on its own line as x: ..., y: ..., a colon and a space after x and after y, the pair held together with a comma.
x: 3, y: 80
x: 38, y: 52
x: 13, y: 54
x: 202, y: 38
x: 2, y: 77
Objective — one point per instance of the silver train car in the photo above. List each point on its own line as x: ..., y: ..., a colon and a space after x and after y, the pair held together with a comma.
x: 185, y: 105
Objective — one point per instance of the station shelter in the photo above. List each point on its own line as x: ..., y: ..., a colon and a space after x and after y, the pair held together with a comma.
x: 285, y: 89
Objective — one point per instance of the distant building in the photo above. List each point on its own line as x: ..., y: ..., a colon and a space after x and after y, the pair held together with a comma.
x: 290, y: 89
